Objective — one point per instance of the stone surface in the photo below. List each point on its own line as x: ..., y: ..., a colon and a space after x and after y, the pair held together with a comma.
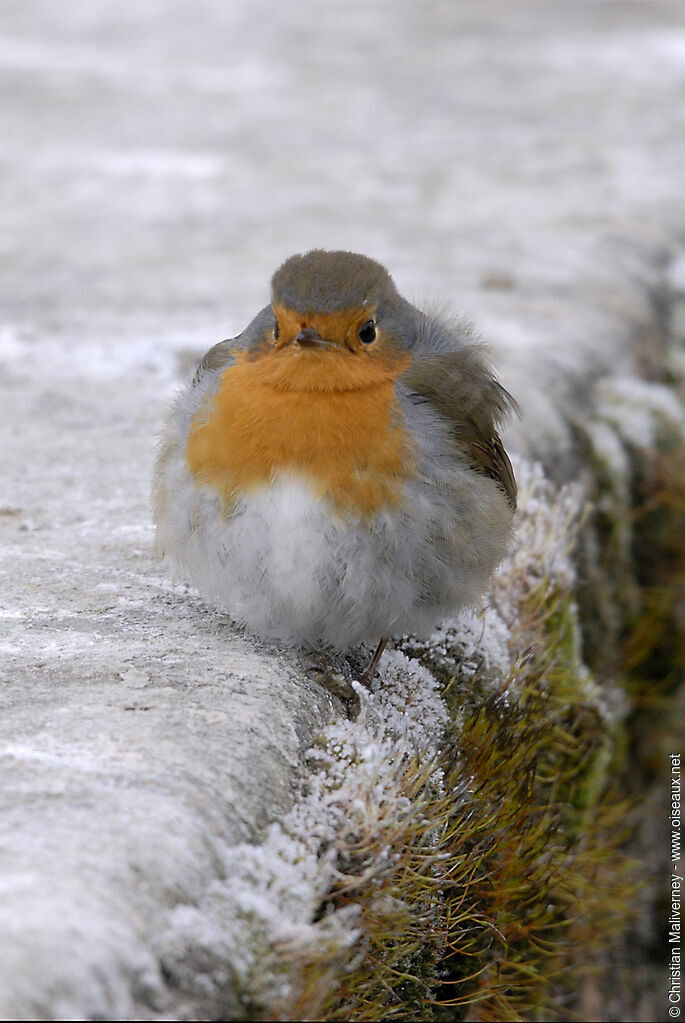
x: 158, y: 161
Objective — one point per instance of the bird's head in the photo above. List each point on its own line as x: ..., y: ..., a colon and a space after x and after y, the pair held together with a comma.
x: 338, y: 323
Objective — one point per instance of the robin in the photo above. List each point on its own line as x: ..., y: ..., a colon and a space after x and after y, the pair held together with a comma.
x: 333, y: 476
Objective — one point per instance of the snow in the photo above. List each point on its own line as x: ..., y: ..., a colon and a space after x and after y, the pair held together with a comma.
x: 639, y: 410
x: 158, y: 162
x: 676, y: 275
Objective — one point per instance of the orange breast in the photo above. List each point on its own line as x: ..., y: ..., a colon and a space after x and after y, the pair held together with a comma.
x: 347, y: 441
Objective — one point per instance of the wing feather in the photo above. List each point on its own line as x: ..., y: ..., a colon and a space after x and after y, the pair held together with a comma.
x: 460, y: 386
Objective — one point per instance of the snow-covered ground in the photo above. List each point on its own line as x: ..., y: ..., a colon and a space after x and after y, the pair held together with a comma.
x: 521, y: 163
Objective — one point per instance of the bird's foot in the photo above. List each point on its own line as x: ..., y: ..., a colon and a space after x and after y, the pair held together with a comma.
x: 327, y: 671
x: 337, y: 673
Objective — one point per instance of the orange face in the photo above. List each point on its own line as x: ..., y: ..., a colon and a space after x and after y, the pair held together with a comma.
x: 323, y: 408
x: 336, y: 360
x: 340, y: 327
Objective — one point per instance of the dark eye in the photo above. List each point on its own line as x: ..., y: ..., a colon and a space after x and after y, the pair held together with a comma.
x: 275, y: 330
x: 367, y: 332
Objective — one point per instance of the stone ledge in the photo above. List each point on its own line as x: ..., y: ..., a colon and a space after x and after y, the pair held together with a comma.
x: 143, y: 741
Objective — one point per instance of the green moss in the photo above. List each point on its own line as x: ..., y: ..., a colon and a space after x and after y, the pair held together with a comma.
x: 540, y: 840
x: 490, y: 897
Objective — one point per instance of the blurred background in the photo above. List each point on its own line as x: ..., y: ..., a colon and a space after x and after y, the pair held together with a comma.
x: 520, y: 163
x: 163, y: 156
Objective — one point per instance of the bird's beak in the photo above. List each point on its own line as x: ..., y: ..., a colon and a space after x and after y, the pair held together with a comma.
x: 310, y: 338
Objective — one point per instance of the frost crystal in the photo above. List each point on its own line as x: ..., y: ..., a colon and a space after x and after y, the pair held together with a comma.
x: 546, y: 525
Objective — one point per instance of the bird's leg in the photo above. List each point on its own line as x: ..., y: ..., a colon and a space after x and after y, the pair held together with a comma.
x: 370, y: 671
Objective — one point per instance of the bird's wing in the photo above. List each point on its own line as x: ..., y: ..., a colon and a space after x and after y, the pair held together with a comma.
x: 218, y: 356
x: 224, y: 353
x: 459, y: 385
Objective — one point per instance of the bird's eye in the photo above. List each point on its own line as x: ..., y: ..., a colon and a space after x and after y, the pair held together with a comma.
x: 275, y: 330
x: 367, y: 332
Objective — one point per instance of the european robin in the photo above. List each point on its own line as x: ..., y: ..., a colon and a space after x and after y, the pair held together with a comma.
x: 333, y: 476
